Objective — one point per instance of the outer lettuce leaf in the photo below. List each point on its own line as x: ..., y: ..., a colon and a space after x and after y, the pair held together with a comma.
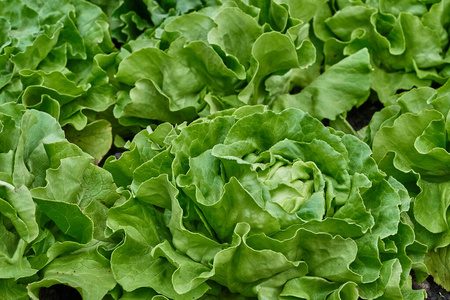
x: 236, y: 32
x: 433, y: 162
x: 13, y: 262
x: 30, y: 159
x: 438, y: 264
x: 20, y: 209
x: 267, y: 51
x: 9, y: 289
x: 348, y: 81
x: 87, y: 271
x: 138, y: 294
x: 138, y: 154
x: 95, y: 138
x: 134, y: 262
x: 136, y: 104
x: 180, y: 83
x: 317, y: 288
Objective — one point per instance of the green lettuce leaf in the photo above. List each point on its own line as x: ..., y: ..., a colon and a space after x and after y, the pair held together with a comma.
x: 337, y: 82
x: 438, y: 264
x: 9, y: 289
x: 87, y: 271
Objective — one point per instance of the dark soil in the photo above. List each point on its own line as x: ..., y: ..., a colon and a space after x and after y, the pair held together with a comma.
x: 59, y: 292
x: 434, y: 291
x: 361, y: 116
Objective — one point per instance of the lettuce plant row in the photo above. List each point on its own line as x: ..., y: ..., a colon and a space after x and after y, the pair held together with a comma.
x: 229, y: 185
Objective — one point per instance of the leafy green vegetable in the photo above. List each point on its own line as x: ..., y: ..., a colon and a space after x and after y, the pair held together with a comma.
x: 88, y: 271
x: 234, y: 189
x: 258, y: 202
x: 53, y: 201
x: 223, y: 56
x: 410, y: 141
x: 321, y: 57
x: 438, y: 263
x: 55, y: 58
x: 406, y: 40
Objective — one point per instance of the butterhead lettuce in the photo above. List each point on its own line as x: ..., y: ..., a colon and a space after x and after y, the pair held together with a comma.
x: 193, y: 60
x: 54, y: 204
x: 55, y: 57
x: 260, y: 204
x: 419, y: 121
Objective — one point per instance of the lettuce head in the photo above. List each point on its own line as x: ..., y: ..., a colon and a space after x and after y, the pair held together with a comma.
x: 260, y: 204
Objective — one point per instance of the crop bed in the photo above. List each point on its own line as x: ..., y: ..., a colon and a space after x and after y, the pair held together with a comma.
x: 224, y: 149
